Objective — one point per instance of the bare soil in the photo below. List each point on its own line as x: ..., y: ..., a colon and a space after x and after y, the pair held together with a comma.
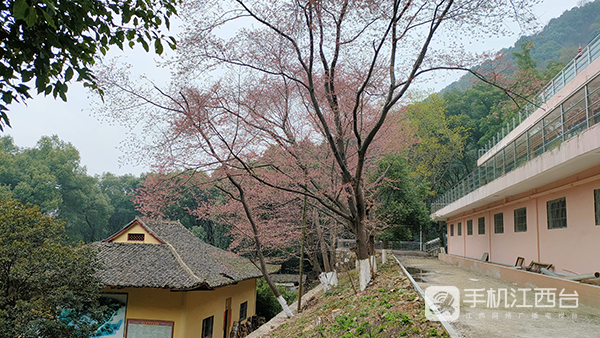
x: 491, y: 322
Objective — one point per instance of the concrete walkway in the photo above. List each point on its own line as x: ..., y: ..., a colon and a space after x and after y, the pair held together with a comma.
x: 281, y: 318
x: 490, y: 321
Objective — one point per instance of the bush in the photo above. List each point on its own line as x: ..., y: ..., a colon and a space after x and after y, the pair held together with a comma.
x: 266, y: 304
x: 47, y: 288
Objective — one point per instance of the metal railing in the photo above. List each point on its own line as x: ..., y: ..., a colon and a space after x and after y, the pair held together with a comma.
x: 392, y: 245
x: 579, y: 111
x: 590, y: 53
x: 432, y: 244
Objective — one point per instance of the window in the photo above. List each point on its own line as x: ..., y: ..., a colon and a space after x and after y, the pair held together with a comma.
x: 481, y: 226
x: 597, y: 205
x: 459, y: 228
x: 451, y: 229
x: 557, y: 213
x: 521, y: 220
x: 135, y: 237
x: 499, y: 223
x: 243, y: 311
x: 470, y: 227
x: 207, y: 327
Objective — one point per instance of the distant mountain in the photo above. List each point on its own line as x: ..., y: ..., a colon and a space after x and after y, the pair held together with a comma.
x: 557, y: 42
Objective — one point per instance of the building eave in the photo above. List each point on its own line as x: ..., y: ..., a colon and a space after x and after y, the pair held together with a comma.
x: 574, y: 155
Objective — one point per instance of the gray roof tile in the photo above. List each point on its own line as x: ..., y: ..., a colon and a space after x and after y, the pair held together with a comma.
x: 199, y: 264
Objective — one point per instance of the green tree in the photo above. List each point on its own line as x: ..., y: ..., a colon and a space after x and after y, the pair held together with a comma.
x: 398, y: 201
x: 52, y: 42
x: 83, y: 206
x: 50, y: 175
x: 526, y: 83
x: 120, y: 191
x: 47, y: 288
x: 441, y: 141
x: 266, y: 304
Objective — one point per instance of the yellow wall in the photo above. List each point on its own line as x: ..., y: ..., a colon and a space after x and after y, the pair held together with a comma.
x: 187, y: 309
x: 135, y: 229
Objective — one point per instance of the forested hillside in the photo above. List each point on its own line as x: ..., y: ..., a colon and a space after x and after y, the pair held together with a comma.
x: 475, y: 111
x: 557, y: 42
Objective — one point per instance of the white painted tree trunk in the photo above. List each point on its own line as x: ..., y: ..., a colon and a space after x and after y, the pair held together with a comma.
x: 328, y: 280
x: 383, y: 256
x: 285, y: 307
x: 364, y: 273
x: 374, y: 264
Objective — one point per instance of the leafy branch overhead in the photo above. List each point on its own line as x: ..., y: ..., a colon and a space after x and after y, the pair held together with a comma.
x: 51, y: 42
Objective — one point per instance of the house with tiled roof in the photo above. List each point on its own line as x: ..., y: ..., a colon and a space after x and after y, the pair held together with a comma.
x: 168, y: 283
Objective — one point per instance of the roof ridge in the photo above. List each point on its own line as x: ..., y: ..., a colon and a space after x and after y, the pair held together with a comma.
x: 178, y: 258
x: 182, y: 263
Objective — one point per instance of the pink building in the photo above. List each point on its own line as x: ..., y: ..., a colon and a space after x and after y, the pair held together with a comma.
x: 536, y: 192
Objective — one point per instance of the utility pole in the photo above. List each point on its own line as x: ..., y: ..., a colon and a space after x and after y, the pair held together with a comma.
x: 421, y: 237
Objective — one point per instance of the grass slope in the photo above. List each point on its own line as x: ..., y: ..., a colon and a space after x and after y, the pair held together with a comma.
x: 389, y: 307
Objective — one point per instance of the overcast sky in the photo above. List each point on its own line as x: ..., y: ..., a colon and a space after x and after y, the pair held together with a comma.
x: 99, y: 142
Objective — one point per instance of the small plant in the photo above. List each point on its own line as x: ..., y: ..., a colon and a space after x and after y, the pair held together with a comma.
x: 405, y: 319
x: 344, y: 323
x: 433, y: 332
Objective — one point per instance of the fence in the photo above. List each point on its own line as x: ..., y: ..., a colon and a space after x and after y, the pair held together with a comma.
x: 580, y: 111
x: 394, y: 245
x: 590, y: 53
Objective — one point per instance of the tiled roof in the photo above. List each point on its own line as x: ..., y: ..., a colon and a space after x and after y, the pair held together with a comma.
x: 182, y: 262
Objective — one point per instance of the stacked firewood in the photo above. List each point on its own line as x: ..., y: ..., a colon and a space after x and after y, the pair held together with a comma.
x: 241, y: 330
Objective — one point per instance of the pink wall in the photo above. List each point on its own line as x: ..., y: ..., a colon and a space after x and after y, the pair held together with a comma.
x: 469, y: 245
x: 507, y: 246
x: 575, y: 248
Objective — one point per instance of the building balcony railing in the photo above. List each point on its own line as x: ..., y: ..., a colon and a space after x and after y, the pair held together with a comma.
x: 590, y: 53
x: 580, y: 111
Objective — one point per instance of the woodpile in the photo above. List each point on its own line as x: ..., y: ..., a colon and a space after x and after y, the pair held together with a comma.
x: 241, y: 330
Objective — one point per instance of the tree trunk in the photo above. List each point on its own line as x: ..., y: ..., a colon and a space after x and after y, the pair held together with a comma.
x: 312, y: 252
x: 332, y: 247
x: 362, y: 256
x: 258, y: 245
x: 321, y: 239
x: 300, y: 283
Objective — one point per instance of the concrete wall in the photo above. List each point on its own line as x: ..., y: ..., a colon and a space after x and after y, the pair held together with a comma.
x: 188, y: 309
x: 587, y: 294
x: 574, y: 248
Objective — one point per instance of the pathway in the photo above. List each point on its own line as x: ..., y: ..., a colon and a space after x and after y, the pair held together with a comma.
x: 491, y: 322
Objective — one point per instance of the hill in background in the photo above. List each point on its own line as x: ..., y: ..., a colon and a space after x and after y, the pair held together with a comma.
x: 558, y: 41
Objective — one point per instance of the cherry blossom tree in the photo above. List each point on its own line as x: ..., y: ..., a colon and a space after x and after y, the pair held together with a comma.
x: 315, y: 83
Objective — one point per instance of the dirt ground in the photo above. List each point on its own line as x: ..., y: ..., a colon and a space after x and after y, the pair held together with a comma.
x: 503, y: 321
